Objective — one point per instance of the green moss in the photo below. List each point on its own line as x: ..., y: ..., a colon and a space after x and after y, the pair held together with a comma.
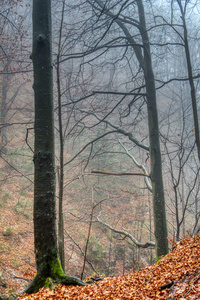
x: 50, y: 275
x: 158, y: 259
x: 50, y: 283
x: 35, y: 285
x: 56, y: 268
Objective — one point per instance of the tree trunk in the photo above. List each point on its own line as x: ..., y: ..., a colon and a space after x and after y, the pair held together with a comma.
x: 61, y: 242
x: 144, y: 59
x: 160, y: 223
x: 191, y: 80
x: 46, y: 252
x: 3, y: 111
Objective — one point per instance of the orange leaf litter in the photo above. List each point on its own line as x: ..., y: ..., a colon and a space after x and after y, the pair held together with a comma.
x: 180, y: 269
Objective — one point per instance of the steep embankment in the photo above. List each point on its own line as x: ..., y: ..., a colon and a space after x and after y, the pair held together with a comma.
x: 176, y: 276
x: 16, y: 242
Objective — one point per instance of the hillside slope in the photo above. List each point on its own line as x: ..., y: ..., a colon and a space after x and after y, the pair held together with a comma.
x: 17, y: 261
x: 176, y: 276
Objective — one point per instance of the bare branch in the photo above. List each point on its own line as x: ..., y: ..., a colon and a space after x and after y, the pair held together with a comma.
x: 81, y: 250
x: 16, y: 169
x: 122, y: 131
x: 119, y: 174
x: 142, y: 167
x: 120, y: 93
x: 27, y: 131
x: 90, y: 143
x: 127, y: 234
x: 175, y: 79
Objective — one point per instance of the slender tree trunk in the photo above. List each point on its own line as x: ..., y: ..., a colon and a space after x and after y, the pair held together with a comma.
x: 160, y: 223
x: 191, y: 80
x: 3, y: 110
x: 61, y: 242
x: 144, y: 59
x: 177, y: 212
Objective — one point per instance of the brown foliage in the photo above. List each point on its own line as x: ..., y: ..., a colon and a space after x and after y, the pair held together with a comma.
x: 176, y: 276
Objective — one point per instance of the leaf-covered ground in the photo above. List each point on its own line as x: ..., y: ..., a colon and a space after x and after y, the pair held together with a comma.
x: 176, y: 276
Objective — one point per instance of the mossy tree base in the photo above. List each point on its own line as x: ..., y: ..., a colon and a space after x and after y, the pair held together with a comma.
x: 50, y: 274
x: 49, y: 269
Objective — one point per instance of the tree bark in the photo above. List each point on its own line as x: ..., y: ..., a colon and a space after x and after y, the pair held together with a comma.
x: 3, y: 110
x: 44, y: 182
x: 46, y: 252
x: 191, y: 79
x: 144, y: 59
x: 61, y: 242
x: 160, y: 223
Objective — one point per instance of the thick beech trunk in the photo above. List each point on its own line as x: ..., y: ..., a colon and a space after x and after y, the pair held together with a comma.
x: 46, y: 252
x: 44, y: 184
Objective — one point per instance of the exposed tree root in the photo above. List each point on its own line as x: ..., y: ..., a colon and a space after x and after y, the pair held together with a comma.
x: 50, y: 274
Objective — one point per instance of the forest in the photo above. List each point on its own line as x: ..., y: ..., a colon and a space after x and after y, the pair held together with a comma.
x: 99, y: 137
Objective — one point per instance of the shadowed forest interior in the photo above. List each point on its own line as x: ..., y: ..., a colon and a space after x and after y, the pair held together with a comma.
x: 127, y: 148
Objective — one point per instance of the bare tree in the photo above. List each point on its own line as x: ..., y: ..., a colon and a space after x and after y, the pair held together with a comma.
x: 61, y: 139
x: 183, y: 10
x: 143, y: 55
x: 47, y: 258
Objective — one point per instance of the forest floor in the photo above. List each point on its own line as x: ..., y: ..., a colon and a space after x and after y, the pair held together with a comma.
x: 17, y: 262
x: 175, y: 276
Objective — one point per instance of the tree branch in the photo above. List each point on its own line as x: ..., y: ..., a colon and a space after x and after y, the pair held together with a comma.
x: 142, y: 167
x: 122, y: 131
x: 127, y: 234
x: 119, y: 174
